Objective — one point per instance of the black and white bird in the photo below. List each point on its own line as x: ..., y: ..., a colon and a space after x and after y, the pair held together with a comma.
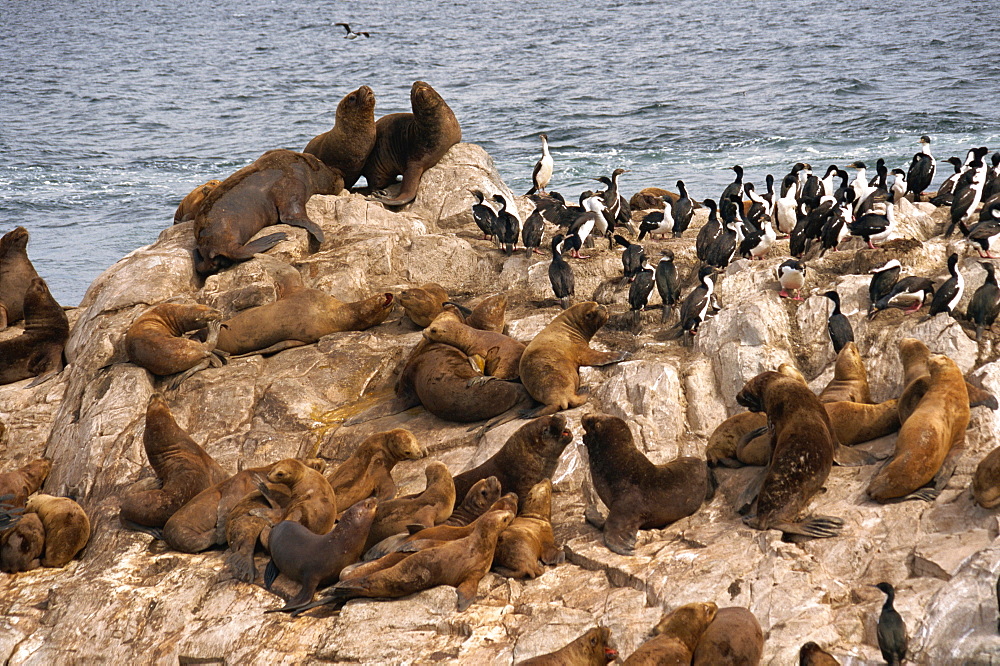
x: 838, y: 325
x: 594, y: 203
x: 860, y: 183
x: 992, y: 186
x: 723, y: 247
x: 946, y: 192
x: 734, y: 188
x: 484, y: 215
x: 709, y: 231
x: 786, y: 211
x: 756, y: 244
x: 638, y: 293
x: 907, y: 294
x: 580, y: 231
x: 633, y: 257
x: 667, y: 283
x: 682, y: 210
x: 657, y: 221
x: 542, y: 174
x: 921, y: 171
x: 875, y: 227
x: 759, y: 209
x: 791, y: 277
x: 835, y: 229
x: 616, y: 207
x: 508, y: 227
x: 985, y: 304
x: 695, y: 307
x: 891, y: 629
x: 878, y: 190
x: 987, y: 228
x: 561, y: 274
x: 531, y: 232
x: 968, y: 195
x: 350, y: 33
x: 898, y: 189
x: 884, y: 278
x: 554, y: 208
x: 947, y: 296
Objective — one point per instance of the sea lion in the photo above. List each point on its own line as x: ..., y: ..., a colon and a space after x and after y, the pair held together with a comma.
x: 182, y: 466
x: 502, y: 353
x: 734, y: 638
x: 313, y: 502
x: 550, y: 365
x: 368, y: 470
x: 16, y: 274
x: 811, y: 654
x: 590, y: 649
x: 316, y: 560
x: 429, y: 508
x: 986, y: 480
x: 191, y: 204
x: 529, y: 539
x: 67, y: 528
x: 638, y: 494
x: 802, y: 445
x: 299, y: 317
x: 931, y: 437
x: 850, y: 379
x: 22, y: 545
x: 249, y: 522
x: 675, y: 636
x: 345, y: 148
x: 408, y: 144
x: 479, y: 498
x: 272, y: 190
x: 39, y: 350
x: 916, y: 378
x: 489, y: 314
x: 156, y: 341
x: 461, y: 564
x: 24, y: 481
x: 724, y: 442
x: 422, y: 304
x: 528, y: 457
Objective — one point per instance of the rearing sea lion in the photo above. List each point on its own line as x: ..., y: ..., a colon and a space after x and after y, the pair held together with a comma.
x: 345, y: 148
x: 39, y: 350
x: 850, y: 379
x: 16, y: 273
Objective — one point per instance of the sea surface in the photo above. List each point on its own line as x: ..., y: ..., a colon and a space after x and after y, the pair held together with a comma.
x: 110, y: 112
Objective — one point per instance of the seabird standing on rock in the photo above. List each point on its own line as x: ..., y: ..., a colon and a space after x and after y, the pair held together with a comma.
x: 874, y: 226
x: 617, y: 210
x: 759, y: 210
x: 709, y: 231
x: 633, y: 257
x: 786, y: 211
x: 899, y: 185
x: 682, y: 210
x: 561, y: 274
x: 791, y: 276
x: 891, y: 629
x: 543, y: 168
x: 350, y: 33
x: 827, y: 180
x: 657, y: 222
x: 484, y: 215
x: 835, y: 230
x: 860, y: 184
x: 723, y: 248
x: 579, y: 232
x: 946, y: 192
x: 667, y: 283
x: 508, y: 227
x: 992, y: 186
x: 735, y: 187
x: 756, y: 244
x: 639, y: 291
x: 838, y: 325
x: 987, y: 228
x: 883, y: 280
x: 921, y: 171
x: 531, y: 233
x: 968, y: 195
x: 695, y: 307
x: 950, y: 293
x: 908, y: 295
x: 985, y: 303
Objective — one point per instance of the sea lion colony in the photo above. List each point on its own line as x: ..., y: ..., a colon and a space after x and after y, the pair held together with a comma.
x: 289, y: 506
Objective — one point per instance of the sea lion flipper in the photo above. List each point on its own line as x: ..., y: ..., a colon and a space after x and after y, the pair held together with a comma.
x: 41, y: 379
x: 467, y: 592
x: 383, y: 409
x: 179, y: 378
x: 270, y: 574
x: 848, y: 457
x: 980, y: 397
x: 620, y: 530
x: 243, y: 567
x: 553, y: 555
x: 814, y: 527
x: 307, y: 224
x: 262, y: 244
x: 594, y: 358
x: 155, y: 532
x: 930, y: 492
x: 273, y: 349
x: 746, y: 498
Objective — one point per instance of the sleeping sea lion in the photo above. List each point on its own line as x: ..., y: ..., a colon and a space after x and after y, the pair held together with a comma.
x: 16, y: 274
x: 24, y: 481
x: 591, y: 649
x: 313, y: 502
x: 675, y: 636
x: 734, y: 638
x: 22, y: 545
x: 529, y: 539
x: 39, y: 350
x: 422, y: 304
x: 502, y: 353
x: 67, y: 528
x: 155, y: 341
x: 345, y: 148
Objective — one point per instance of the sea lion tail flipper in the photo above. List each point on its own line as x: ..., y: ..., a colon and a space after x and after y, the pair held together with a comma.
x: 337, y: 597
x: 262, y: 244
x: 553, y: 555
x: 387, y: 545
x: 383, y: 409
x: 467, y: 592
x: 418, y: 545
x: 179, y: 378
x: 41, y: 379
x: 242, y: 566
x: 594, y: 358
x: 746, y: 498
x: 848, y: 457
x: 270, y: 574
x: 980, y: 397
x: 930, y: 492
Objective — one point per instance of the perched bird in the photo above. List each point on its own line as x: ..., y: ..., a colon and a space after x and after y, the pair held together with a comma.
x: 542, y: 174
x: 838, y: 324
x: 639, y: 291
x: 836, y: 229
x: 874, y: 226
x: 987, y: 228
x: 791, y: 276
x: 507, y: 226
x: 723, y: 247
x: 695, y: 307
x: 985, y: 303
x: 616, y: 208
x: 350, y: 33
x: 734, y: 188
x: 633, y: 257
x: 709, y: 232
x: 667, y: 283
x: 811, y: 654
x: 484, y: 215
x: 908, y: 295
x: 968, y: 195
x: 531, y: 232
x: 883, y: 279
x: 860, y: 184
x: 878, y: 190
x: 657, y: 222
x: 561, y: 274
x: 947, y: 296
x: 756, y: 244
x: 760, y: 208
x: 946, y: 192
x: 786, y: 210
x: 580, y: 231
x: 891, y: 629
x: 921, y: 171
x: 899, y: 185
x: 992, y: 186
x: 682, y: 210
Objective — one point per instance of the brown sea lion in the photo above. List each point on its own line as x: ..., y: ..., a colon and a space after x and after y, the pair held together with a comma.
x: 850, y: 379
x: 408, y: 144
x: 368, y: 470
x: 724, y: 442
x: 489, y: 314
x: 528, y: 457
x: 249, y: 522
x: 550, y: 365
x: 931, y: 437
x: 916, y: 379
x: 734, y: 638
x: 461, y: 564
x: 313, y: 501
x: 811, y: 654
x: 802, y: 445
x: 316, y: 560
x: 431, y: 507
x: 479, y: 498
x: 345, y: 148
x: 502, y: 353
x: 272, y: 190
x: 182, y: 466
x: 422, y: 304
x: 638, y: 494
x: 676, y: 636
x: 24, y: 481
x: 39, y: 350
x: 529, y: 541
x: 22, y: 545
x: 591, y: 649
x: 16, y: 274
x: 191, y: 204
x: 156, y: 341
x: 986, y: 480
x: 67, y: 528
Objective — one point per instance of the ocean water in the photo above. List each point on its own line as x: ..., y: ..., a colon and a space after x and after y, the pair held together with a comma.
x: 111, y: 112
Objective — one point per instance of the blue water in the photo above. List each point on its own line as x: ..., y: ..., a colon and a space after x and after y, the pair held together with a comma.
x: 110, y: 112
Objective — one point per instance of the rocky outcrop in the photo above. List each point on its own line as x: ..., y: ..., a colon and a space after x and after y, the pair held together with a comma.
x: 130, y: 598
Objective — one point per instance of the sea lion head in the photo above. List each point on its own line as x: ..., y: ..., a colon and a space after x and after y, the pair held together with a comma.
x: 14, y: 240
x: 37, y: 294
x: 538, y: 503
x: 288, y: 472
x: 357, y: 105
x: 587, y: 317
x: 688, y: 622
x: 753, y: 394
x: 789, y: 370
x: 548, y: 434
x: 423, y: 98
x: 361, y: 514
x: 482, y: 495
x: 596, y: 646
x: 495, y: 522
x: 849, y: 364
x: 402, y: 444
x: 442, y: 327
x: 599, y: 429
x: 436, y: 472
x: 506, y: 503
x: 373, y: 310
x: 912, y: 350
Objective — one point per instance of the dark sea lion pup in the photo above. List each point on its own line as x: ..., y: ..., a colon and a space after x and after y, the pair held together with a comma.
x: 16, y: 273
x: 408, y: 144
x: 345, y: 148
x: 38, y: 351
x: 591, y: 649
x: 638, y: 494
x: 316, y: 560
x: 802, y: 445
